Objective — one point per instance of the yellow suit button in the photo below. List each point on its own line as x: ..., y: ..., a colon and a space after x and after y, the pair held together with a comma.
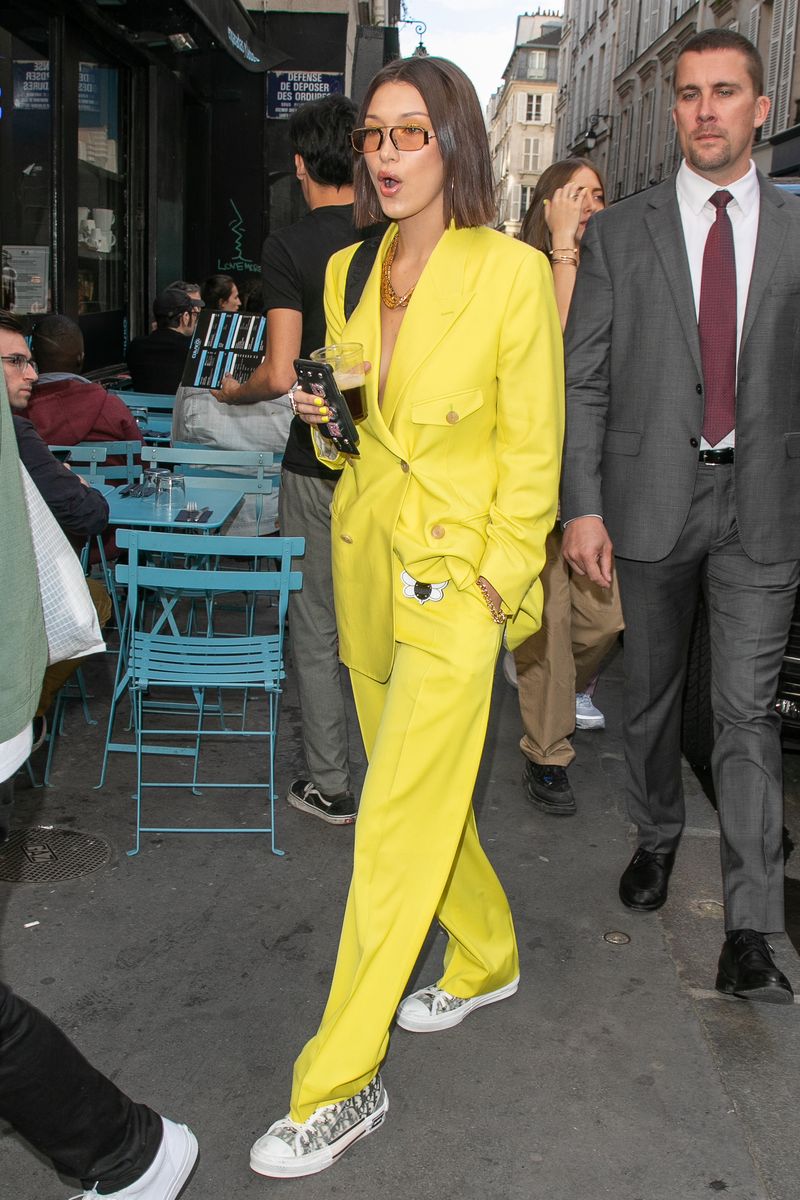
x: 452, y: 418
x: 404, y: 466
x: 346, y: 538
x: 437, y: 531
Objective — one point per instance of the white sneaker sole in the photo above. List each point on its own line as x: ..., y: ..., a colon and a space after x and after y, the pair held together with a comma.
x: 318, y: 1160
x: 304, y: 806
x: 590, y: 722
x: 415, y: 1023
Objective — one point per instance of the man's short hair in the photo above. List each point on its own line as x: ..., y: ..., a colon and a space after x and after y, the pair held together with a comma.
x: 320, y: 134
x: 169, y: 304
x: 183, y: 286
x: 726, y: 39
x: 11, y: 323
x: 57, y: 343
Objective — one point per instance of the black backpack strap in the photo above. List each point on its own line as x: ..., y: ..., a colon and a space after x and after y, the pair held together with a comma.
x: 358, y: 273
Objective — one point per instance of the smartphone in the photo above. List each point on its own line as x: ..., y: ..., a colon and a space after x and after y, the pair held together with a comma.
x: 318, y: 379
x: 62, y: 455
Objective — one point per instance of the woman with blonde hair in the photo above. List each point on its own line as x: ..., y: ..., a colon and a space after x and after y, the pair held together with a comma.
x: 438, y: 532
x: 555, y: 668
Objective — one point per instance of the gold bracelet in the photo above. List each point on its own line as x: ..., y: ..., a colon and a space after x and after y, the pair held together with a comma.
x: 498, y: 616
x: 573, y: 262
x: 564, y: 250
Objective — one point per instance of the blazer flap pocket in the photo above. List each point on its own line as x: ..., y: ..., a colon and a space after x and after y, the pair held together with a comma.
x: 622, y: 441
x: 447, y: 410
x: 792, y: 441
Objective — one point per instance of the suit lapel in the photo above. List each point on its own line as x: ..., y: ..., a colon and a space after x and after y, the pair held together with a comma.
x: 364, y: 326
x: 769, y: 243
x: 664, y: 223
x: 438, y: 301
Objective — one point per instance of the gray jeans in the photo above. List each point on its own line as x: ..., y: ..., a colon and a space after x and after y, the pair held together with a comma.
x: 304, y: 511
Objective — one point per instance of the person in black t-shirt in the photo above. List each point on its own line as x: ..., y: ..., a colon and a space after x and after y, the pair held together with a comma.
x: 293, y: 263
x: 156, y: 361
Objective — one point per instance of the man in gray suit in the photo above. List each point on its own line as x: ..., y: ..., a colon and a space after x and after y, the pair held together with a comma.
x: 682, y: 466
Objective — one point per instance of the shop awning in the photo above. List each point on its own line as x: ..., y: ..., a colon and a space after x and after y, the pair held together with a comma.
x: 171, y: 27
x: 233, y: 29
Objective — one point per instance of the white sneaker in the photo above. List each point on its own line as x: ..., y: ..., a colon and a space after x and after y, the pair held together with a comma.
x: 288, y: 1150
x: 586, y: 715
x: 166, y: 1175
x: 510, y: 669
x: 431, y: 1009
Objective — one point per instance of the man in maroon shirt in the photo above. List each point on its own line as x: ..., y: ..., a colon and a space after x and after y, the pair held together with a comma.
x: 65, y: 407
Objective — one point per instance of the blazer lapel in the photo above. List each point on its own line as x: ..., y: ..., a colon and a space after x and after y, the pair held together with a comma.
x: 364, y: 326
x: 769, y: 243
x: 664, y: 223
x: 439, y: 298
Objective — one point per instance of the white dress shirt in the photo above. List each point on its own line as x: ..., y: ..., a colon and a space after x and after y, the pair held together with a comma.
x: 698, y: 215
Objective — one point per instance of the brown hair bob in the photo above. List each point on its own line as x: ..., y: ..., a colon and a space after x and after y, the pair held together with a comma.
x: 458, y: 123
x: 534, y: 229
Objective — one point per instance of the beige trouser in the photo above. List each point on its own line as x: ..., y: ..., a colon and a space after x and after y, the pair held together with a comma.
x: 580, y: 624
x: 57, y: 675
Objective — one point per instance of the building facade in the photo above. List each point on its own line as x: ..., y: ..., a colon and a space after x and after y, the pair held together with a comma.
x: 615, y: 82
x: 144, y: 141
x: 521, y: 116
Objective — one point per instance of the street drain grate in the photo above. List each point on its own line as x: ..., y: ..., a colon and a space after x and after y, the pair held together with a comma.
x: 42, y: 854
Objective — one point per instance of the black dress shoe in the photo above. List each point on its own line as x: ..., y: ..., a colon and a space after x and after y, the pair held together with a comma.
x: 548, y: 788
x: 746, y: 969
x: 644, y: 881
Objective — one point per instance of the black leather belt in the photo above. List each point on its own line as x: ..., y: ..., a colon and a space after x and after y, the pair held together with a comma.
x: 717, y: 458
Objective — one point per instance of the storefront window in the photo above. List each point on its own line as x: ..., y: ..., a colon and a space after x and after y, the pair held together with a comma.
x: 26, y: 153
x: 101, y: 211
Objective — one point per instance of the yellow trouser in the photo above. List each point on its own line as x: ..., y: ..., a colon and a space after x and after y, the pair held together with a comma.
x: 580, y: 624
x: 417, y: 854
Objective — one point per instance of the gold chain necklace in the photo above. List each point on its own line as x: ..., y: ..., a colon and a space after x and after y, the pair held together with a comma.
x: 388, y: 295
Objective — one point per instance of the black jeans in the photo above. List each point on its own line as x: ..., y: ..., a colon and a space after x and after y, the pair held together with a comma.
x: 64, y: 1107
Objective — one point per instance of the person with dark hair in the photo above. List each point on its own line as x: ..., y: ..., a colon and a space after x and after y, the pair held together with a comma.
x: 220, y: 292
x: 682, y: 465
x: 555, y: 668
x: 294, y: 262
x: 49, y: 1093
x: 65, y: 407
x: 156, y: 361
x: 438, y: 532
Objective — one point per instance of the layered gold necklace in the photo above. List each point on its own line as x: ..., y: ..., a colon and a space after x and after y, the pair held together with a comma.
x: 388, y: 295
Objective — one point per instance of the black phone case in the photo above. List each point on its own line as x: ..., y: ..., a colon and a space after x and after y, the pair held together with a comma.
x: 318, y: 379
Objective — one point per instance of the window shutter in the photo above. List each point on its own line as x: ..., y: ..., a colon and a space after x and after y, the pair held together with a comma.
x: 773, y: 62
x: 547, y: 109
x: 783, y: 92
x: 522, y: 104
x: 753, y: 24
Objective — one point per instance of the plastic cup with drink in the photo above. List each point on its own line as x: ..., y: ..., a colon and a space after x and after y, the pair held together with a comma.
x: 347, y: 361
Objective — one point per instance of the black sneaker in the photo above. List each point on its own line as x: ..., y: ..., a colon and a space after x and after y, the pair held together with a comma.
x: 548, y: 788
x: 336, y: 810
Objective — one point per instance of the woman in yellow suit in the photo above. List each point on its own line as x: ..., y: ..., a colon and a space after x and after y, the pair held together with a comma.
x: 438, y: 535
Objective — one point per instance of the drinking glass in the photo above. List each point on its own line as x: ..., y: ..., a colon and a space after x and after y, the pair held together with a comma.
x: 347, y: 361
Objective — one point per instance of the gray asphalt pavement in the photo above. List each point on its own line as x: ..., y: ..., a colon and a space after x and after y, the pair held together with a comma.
x: 193, y: 973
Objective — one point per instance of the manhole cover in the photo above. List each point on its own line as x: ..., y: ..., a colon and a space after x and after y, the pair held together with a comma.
x: 43, y: 854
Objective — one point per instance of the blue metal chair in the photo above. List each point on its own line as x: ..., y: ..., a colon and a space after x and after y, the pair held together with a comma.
x: 162, y: 657
x: 94, y: 455
x: 153, y: 414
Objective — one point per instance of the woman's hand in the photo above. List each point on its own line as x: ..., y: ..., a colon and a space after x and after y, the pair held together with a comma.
x: 563, y: 214
x: 308, y: 407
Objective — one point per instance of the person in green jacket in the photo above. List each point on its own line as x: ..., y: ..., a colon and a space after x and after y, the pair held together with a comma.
x: 49, y: 1093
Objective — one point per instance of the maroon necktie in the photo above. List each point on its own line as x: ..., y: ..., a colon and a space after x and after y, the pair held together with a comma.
x: 717, y: 324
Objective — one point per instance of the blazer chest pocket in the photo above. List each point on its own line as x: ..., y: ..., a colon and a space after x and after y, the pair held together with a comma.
x: 622, y: 441
x: 447, y: 410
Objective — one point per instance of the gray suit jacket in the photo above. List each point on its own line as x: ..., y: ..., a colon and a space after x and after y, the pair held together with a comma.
x: 635, y: 383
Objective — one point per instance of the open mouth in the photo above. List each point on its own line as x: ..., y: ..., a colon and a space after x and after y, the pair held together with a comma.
x: 389, y: 184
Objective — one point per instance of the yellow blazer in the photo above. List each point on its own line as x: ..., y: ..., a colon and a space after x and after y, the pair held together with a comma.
x: 458, y: 474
